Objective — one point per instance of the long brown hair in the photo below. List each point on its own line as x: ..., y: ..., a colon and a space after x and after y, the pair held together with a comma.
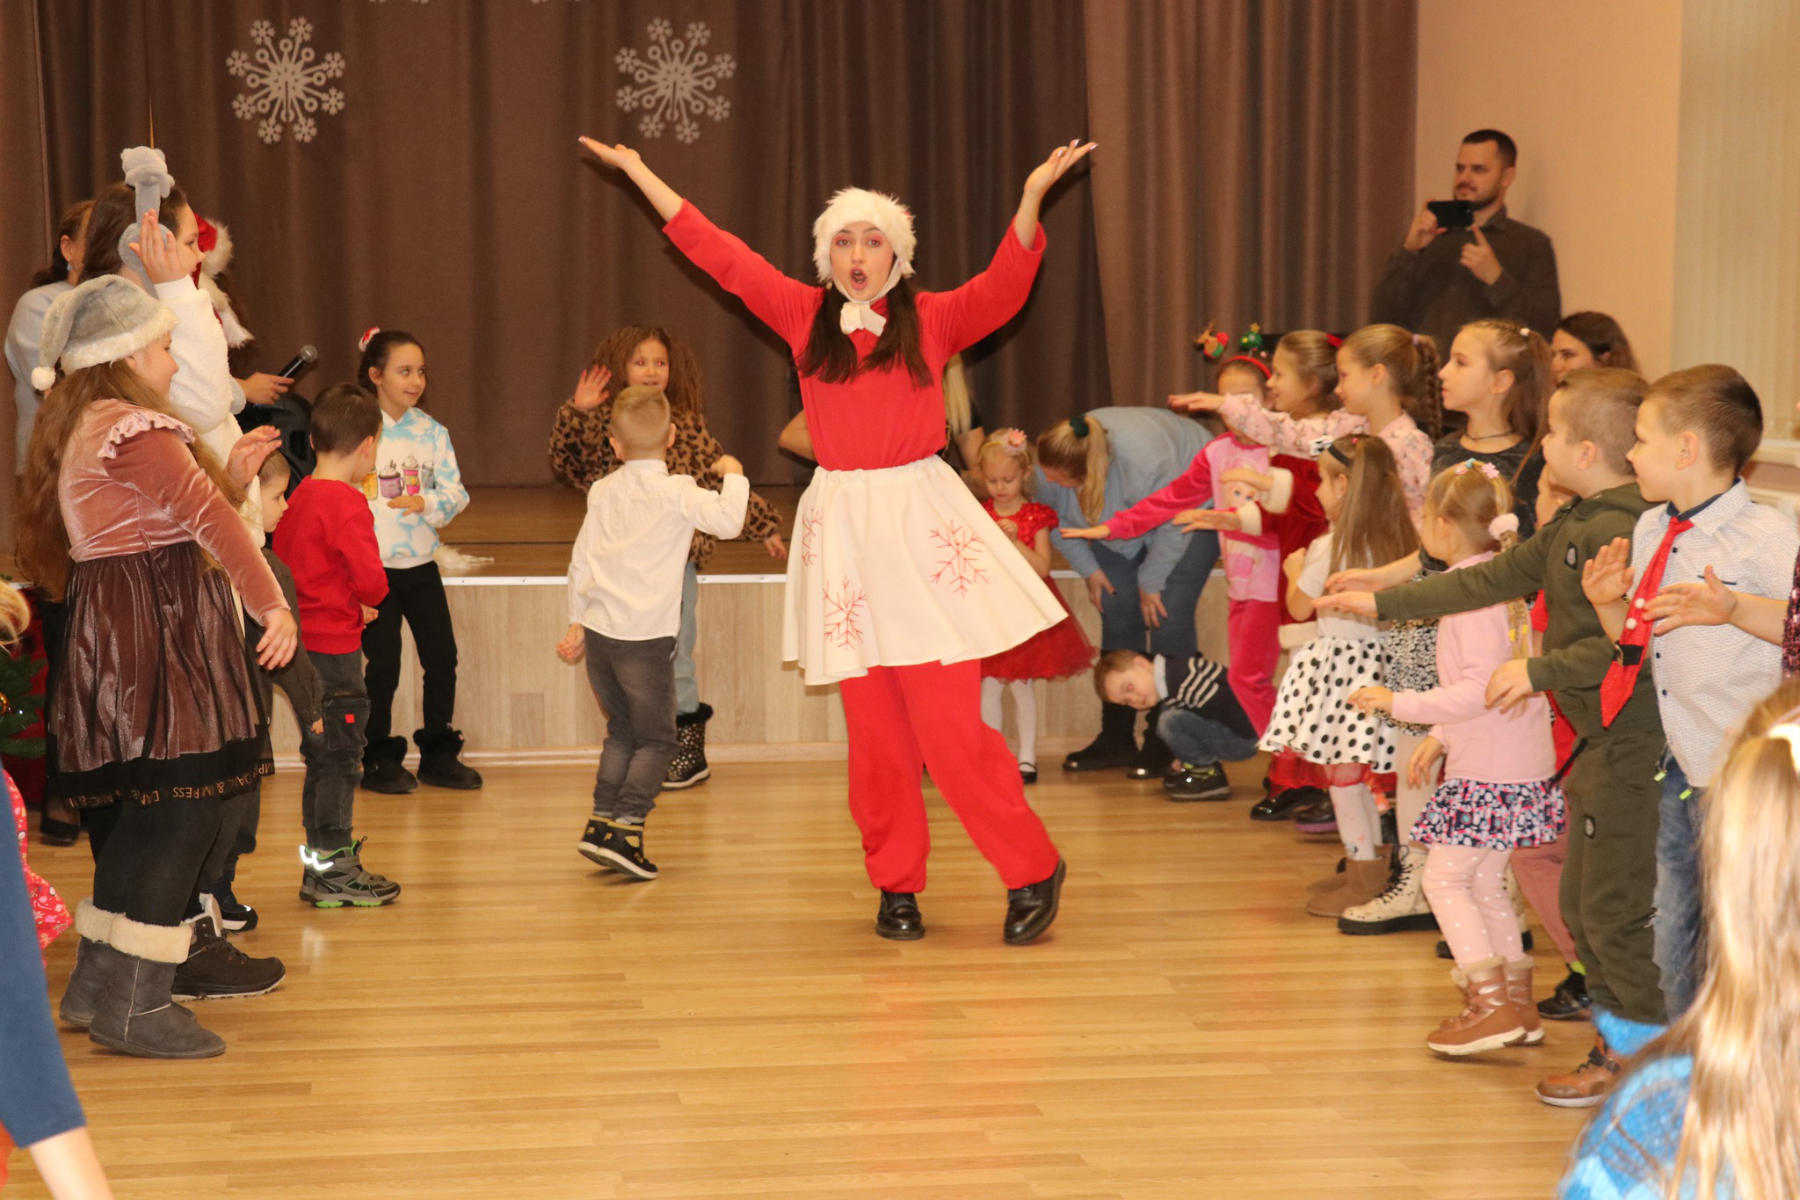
x: 1524, y: 352
x: 1603, y: 336
x: 112, y: 213
x: 1743, y: 1030
x: 74, y: 218
x: 683, y: 385
x: 1084, y: 456
x: 1314, y: 355
x: 831, y: 355
x: 1373, y: 526
x: 1412, y: 365
x: 43, y: 539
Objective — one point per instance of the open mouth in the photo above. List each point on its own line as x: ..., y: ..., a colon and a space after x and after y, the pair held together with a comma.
x: 859, y: 279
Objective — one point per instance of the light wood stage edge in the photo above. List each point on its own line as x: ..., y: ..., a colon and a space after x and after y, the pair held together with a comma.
x: 523, y: 1025
x: 517, y: 703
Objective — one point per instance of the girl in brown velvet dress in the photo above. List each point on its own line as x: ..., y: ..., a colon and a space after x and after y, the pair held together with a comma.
x: 130, y: 520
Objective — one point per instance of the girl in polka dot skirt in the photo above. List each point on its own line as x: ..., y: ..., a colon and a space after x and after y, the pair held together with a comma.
x: 1498, y: 791
x: 1360, y: 491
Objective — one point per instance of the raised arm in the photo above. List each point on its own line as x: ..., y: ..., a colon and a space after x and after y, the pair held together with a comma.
x: 663, y: 198
x: 1042, y: 177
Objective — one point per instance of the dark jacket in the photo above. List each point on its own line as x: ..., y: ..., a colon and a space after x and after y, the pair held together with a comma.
x: 1577, y: 651
x: 1430, y: 291
x: 1198, y: 684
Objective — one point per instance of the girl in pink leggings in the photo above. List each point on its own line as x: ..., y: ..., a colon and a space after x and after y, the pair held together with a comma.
x: 1498, y: 792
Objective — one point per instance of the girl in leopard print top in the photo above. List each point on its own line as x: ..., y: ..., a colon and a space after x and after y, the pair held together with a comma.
x: 580, y: 453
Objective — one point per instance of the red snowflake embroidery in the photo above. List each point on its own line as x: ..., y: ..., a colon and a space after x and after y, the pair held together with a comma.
x: 843, y: 615
x: 960, y: 553
x: 809, y: 538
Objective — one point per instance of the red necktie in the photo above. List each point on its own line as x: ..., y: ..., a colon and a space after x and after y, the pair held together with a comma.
x: 1621, y: 677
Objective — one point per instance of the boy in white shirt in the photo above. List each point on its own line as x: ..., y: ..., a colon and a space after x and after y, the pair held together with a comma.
x: 625, y: 611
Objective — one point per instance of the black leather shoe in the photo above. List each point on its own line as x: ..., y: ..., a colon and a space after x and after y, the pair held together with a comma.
x: 1155, y: 759
x: 1205, y: 781
x: 898, y: 917
x: 1281, y: 806
x: 1569, y: 1002
x: 1031, y: 909
x: 1115, y: 747
x: 1028, y: 772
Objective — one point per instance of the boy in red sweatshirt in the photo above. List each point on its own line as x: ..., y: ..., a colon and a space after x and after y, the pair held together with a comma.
x: 327, y: 539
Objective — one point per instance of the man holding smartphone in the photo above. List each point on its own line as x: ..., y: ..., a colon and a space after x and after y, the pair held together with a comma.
x: 1465, y: 259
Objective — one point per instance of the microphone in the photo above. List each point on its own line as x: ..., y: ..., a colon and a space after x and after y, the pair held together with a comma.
x: 307, y: 357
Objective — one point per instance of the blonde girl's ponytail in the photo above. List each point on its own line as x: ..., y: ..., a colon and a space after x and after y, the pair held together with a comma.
x: 1078, y: 448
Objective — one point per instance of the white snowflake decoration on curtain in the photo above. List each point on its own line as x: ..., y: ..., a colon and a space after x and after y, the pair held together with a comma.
x: 675, y: 80
x: 286, y: 81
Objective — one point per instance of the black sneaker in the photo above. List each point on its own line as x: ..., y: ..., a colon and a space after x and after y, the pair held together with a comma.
x: 1569, y: 1002
x: 215, y: 969
x: 1197, y: 781
x: 618, y: 847
x: 234, y: 916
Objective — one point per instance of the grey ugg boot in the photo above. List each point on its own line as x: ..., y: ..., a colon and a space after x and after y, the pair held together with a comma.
x: 136, y: 1015
x: 82, y: 995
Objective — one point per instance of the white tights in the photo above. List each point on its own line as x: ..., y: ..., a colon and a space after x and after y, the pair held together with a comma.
x: 1024, y: 697
x: 1359, y: 825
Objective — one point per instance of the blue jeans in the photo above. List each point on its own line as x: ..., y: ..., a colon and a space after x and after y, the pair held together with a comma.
x: 1680, y: 930
x: 1199, y: 740
x: 1122, y: 618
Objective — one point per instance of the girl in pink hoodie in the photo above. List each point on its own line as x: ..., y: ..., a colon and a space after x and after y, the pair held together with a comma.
x: 1499, y: 790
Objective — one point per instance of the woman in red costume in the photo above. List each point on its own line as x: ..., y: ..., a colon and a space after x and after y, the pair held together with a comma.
x: 898, y: 584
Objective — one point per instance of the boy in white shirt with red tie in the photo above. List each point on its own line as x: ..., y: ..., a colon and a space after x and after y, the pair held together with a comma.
x: 625, y: 611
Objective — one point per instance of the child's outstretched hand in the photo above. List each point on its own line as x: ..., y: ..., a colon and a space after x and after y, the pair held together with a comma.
x: 775, y: 546
x: 1250, y: 477
x: 727, y: 465
x: 1208, y: 518
x: 280, y: 635
x: 1052, y: 168
x: 1510, y: 685
x: 591, y: 389
x: 573, y: 645
x: 1372, y: 699
x: 1606, y: 577
x: 1093, y: 533
x: 1357, y: 604
x: 410, y: 504
x: 1424, y: 758
x: 1708, y: 602
x: 1200, y: 402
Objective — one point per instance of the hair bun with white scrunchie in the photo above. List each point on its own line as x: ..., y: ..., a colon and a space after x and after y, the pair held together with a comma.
x: 362, y: 343
x: 1505, y: 523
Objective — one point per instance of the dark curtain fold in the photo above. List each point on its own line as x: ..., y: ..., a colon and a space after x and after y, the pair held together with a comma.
x: 448, y: 197
x: 1258, y: 154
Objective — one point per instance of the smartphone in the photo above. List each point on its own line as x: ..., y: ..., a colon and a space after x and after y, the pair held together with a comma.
x: 1453, y: 214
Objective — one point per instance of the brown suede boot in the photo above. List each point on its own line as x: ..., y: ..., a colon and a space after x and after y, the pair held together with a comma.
x: 1587, y: 1085
x: 1364, y: 879
x: 1331, y: 883
x: 1518, y: 990
x: 1489, y: 1019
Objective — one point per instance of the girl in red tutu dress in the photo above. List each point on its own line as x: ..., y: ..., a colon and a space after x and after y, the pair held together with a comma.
x: 1054, y: 653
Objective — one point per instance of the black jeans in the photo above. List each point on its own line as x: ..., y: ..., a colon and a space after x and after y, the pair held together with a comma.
x: 334, y: 758
x: 635, y: 685
x: 147, y: 857
x: 417, y: 594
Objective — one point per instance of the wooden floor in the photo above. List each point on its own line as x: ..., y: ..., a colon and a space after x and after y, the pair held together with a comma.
x: 521, y: 1024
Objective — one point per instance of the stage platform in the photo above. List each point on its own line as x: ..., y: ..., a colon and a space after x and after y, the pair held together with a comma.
x: 517, y: 702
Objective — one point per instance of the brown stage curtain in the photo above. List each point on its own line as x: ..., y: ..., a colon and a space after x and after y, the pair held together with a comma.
x: 448, y: 196
x: 1257, y: 152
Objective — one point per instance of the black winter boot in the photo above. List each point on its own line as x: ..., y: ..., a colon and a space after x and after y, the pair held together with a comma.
x: 82, y: 996
x: 136, y: 1014
x: 384, y: 768
x: 440, y: 762
x: 688, y: 767
x: 1155, y: 760
x: 1115, y: 747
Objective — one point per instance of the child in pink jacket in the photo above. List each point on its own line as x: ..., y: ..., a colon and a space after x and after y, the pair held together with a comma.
x: 1499, y: 790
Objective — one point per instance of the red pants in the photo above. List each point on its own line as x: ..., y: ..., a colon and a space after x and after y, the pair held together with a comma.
x: 902, y: 720
x: 1252, y: 633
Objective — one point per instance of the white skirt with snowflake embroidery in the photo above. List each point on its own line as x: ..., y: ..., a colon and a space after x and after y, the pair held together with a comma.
x: 899, y: 566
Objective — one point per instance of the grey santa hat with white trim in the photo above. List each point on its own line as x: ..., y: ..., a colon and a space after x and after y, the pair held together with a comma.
x: 147, y: 171
x: 101, y: 321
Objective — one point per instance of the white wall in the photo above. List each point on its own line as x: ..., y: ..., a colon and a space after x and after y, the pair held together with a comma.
x: 1590, y: 90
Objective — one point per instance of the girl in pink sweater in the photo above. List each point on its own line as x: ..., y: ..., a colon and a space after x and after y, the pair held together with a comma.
x: 1499, y: 790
